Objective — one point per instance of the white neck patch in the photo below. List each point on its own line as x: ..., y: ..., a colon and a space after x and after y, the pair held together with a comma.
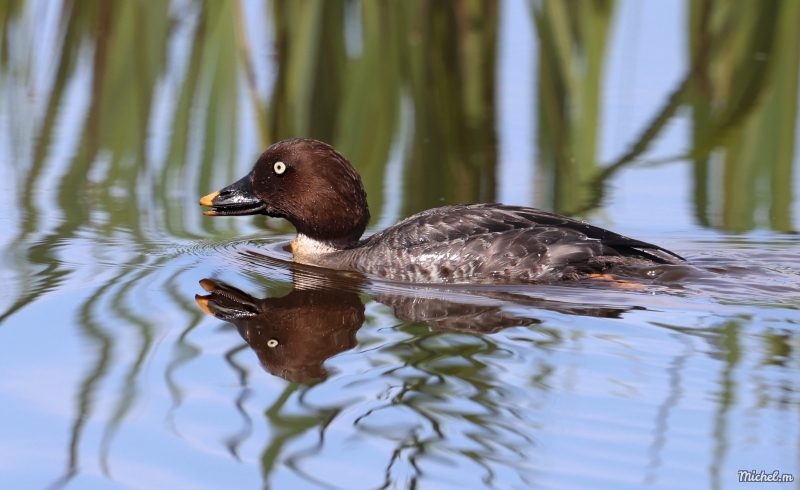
x: 306, y: 249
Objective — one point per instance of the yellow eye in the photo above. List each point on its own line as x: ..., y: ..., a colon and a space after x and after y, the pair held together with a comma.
x: 272, y: 343
x: 279, y: 167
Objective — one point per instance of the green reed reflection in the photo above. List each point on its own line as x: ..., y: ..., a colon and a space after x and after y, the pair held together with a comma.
x: 439, y: 56
x: 572, y: 39
x: 731, y: 349
x: 742, y: 89
x: 744, y: 104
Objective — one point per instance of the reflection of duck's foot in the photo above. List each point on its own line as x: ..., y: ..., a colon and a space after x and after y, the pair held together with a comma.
x: 226, y: 302
x: 618, y: 283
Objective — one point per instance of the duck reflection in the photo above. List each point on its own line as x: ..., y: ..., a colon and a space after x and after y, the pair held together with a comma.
x: 489, y: 316
x: 294, y: 334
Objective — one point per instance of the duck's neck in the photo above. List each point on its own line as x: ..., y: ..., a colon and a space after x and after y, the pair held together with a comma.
x: 307, y: 250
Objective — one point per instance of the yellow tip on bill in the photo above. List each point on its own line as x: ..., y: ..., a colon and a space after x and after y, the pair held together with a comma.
x: 206, y: 201
x: 202, y: 302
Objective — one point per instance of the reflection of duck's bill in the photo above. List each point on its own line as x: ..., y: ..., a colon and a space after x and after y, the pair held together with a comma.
x: 225, y: 302
x: 208, y: 285
x: 202, y: 302
x: 238, y: 199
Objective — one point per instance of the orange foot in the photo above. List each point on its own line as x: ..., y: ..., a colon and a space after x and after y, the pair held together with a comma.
x: 618, y: 283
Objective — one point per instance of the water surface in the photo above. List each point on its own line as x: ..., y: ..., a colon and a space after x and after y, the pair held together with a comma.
x: 673, y: 122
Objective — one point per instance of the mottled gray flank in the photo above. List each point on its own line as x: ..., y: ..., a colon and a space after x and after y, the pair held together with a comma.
x: 492, y: 243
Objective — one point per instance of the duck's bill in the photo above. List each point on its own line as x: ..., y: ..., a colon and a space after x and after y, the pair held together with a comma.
x: 237, y: 199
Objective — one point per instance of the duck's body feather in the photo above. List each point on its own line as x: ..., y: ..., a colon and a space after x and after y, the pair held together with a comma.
x: 492, y: 243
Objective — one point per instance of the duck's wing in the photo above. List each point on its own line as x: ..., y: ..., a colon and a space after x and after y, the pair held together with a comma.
x: 562, y: 236
x: 623, y: 245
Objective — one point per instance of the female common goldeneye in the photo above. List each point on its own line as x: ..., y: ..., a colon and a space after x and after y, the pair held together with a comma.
x: 314, y: 187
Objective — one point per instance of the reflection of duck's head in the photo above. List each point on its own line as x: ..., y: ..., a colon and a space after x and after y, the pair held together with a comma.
x: 294, y: 334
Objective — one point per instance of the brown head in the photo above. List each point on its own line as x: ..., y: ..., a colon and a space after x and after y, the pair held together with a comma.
x: 305, y: 181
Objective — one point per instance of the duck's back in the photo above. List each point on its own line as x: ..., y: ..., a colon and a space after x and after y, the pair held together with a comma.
x: 495, y: 243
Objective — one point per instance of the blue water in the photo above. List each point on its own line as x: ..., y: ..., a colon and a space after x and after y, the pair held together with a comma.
x: 112, y: 377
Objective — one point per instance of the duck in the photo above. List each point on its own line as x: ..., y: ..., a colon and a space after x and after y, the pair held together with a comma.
x: 316, y: 189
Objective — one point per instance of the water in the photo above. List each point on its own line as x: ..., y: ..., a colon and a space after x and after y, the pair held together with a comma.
x: 113, y: 376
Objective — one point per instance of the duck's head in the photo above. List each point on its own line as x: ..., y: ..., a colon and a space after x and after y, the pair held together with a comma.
x: 305, y: 181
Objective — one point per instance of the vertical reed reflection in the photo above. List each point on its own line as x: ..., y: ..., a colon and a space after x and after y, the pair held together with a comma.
x: 442, y: 55
x: 572, y: 43
x: 661, y: 424
x: 183, y: 353
x: 234, y: 441
x: 741, y: 87
x: 730, y: 351
x: 744, y: 106
x: 451, y: 52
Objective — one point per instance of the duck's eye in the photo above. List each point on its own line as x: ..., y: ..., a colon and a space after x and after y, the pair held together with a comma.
x: 272, y: 343
x: 279, y: 167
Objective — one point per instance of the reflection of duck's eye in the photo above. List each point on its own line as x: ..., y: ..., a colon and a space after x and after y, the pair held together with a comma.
x: 279, y: 167
x: 272, y: 343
